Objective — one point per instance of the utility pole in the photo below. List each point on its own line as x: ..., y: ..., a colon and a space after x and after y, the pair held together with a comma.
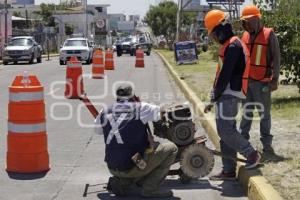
x: 5, y: 21
x: 179, y: 15
x: 86, y: 20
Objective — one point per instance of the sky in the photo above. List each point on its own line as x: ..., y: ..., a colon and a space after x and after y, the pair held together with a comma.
x: 139, y: 7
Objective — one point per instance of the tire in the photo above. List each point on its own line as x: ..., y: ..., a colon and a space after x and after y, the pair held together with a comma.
x: 61, y: 62
x: 148, y: 53
x: 31, y: 60
x: 39, y: 59
x: 15, y: 62
x: 184, y: 179
x: 5, y: 62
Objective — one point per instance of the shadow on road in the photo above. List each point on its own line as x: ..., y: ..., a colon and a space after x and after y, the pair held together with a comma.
x: 21, y: 176
x: 227, y: 189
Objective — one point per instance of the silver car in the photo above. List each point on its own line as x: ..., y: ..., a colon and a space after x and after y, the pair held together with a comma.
x: 23, y: 48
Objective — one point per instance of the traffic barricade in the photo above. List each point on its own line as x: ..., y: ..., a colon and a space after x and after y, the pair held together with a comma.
x: 98, y: 65
x: 74, y: 81
x: 109, y: 60
x: 139, y: 61
x: 27, y: 138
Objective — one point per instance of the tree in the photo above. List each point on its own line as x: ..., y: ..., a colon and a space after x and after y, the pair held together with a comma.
x: 69, y: 29
x: 283, y: 16
x: 162, y: 20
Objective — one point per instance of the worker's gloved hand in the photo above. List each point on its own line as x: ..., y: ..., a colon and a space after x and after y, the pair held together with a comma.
x: 208, y: 107
x: 273, y: 85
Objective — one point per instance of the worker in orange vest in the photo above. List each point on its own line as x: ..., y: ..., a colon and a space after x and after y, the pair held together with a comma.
x: 264, y: 73
x: 230, y: 87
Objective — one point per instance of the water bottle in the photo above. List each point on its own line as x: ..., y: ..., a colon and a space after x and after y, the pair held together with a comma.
x: 25, y: 81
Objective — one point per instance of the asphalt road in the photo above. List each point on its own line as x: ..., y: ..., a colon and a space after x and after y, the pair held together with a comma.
x: 76, y: 152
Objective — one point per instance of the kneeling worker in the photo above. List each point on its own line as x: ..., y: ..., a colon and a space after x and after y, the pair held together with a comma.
x: 127, y: 143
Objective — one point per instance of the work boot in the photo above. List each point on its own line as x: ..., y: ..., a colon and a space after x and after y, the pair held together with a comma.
x: 268, y: 149
x: 253, y: 160
x: 223, y: 176
x: 114, y: 186
x: 160, y: 193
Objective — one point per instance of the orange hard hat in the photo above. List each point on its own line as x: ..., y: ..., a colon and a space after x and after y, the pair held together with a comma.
x: 213, y: 18
x: 250, y: 11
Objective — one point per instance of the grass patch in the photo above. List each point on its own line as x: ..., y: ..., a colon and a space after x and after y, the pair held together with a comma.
x: 284, y: 175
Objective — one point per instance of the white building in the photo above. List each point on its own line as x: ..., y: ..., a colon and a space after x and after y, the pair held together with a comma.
x: 91, y: 21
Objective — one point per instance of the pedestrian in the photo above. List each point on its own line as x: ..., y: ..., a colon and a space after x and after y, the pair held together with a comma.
x: 230, y: 87
x: 130, y: 154
x: 264, y: 51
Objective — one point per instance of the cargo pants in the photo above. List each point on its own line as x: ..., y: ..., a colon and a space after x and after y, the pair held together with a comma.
x: 158, y: 166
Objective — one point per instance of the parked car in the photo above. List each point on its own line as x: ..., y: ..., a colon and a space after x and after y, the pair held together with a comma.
x: 22, y: 48
x: 79, y: 47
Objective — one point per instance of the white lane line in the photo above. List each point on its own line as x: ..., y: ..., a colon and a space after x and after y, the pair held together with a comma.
x: 53, y: 91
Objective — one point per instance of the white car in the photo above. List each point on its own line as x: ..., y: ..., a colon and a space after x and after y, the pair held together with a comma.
x: 78, y: 47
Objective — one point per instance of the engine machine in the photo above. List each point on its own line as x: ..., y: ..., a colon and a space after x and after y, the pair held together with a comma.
x: 195, y: 159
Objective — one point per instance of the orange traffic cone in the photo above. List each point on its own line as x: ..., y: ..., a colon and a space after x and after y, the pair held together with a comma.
x: 74, y: 83
x: 109, y: 60
x: 26, y: 139
x: 97, y: 67
x: 139, y: 62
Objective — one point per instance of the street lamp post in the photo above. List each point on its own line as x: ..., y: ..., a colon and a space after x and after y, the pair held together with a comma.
x: 5, y: 21
x: 86, y: 20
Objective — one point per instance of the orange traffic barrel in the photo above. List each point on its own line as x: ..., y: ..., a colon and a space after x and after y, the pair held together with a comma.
x: 139, y: 62
x: 74, y: 82
x: 26, y: 139
x: 98, y: 66
x: 109, y: 60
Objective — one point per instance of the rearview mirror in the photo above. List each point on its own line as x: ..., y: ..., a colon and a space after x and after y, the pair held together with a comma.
x: 60, y: 46
x: 5, y: 45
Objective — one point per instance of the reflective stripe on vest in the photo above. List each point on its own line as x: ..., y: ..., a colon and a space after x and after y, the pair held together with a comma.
x: 109, y: 59
x: 26, y: 128
x: 139, y: 58
x: 258, y: 54
x: 247, y: 62
x: 115, y: 128
x: 73, y: 65
x: 26, y: 96
x: 259, y: 48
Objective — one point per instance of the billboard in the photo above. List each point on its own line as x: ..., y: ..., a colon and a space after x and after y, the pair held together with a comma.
x: 23, y: 2
x: 191, y: 4
x: 100, y: 26
x: 126, y: 26
x: 186, y: 52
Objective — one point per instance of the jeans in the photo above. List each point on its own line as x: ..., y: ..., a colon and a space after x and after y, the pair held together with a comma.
x: 259, y: 97
x: 231, y: 140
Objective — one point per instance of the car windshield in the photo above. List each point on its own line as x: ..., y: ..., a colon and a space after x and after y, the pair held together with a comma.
x: 20, y: 42
x: 70, y: 43
x: 128, y: 40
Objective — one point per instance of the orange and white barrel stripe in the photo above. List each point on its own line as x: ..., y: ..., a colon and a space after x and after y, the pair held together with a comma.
x: 74, y: 82
x: 26, y: 139
x: 139, y: 62
x: 109, y: 60
x: 98, y: 66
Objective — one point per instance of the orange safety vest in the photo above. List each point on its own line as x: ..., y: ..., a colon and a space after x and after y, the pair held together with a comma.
x: 247, y: 61
x: 259, y: 69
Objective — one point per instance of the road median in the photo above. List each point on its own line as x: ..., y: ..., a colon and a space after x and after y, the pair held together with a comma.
x: 254, y: 184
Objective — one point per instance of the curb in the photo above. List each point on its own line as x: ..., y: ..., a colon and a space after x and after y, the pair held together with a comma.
x: 254, y: 184
x: 43, y: 56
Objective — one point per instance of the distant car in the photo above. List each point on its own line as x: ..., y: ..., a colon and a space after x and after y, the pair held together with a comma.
x: 128, y: 45
x: 79, y: 47
x: 144, y: 43
x: 22, y: 48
